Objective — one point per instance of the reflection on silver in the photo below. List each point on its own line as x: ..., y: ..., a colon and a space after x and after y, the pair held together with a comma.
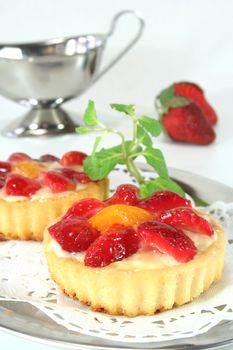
x: 45, y: 74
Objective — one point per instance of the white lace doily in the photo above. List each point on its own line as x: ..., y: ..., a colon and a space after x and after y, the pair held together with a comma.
x: 24, y: 277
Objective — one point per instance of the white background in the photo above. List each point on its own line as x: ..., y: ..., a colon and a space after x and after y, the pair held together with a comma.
x: 183, y: 40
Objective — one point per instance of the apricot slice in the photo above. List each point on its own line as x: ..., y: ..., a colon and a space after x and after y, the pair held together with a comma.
x: 118, y: 214
x: 27, y: 169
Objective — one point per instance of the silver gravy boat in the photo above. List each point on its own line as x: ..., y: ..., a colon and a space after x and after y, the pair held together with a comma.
x: 43, y: 75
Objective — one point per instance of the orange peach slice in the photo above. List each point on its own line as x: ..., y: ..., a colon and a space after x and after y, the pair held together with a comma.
x: 27, y: 169
x: 118, y: 214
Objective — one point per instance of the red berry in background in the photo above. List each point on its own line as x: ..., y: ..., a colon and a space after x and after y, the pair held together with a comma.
x: 167, y: 239
x: 73, y: 234
x: 186, y: 219
x: 57, y: 182
x: 73, y: 158
x: 85, y: 208
x: 18, y: 185
x: 195, y: 94
x: 48, y: 158
x: 19, y: 157
x: 188, y: 124
x: 5, y: 167
x: 163, y: 200
x: 186, y: 115
x: 125, y: 194
x: 115, y: 245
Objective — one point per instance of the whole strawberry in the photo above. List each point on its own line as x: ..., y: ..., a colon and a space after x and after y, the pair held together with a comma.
x: 183, y: 116
x: 188, y: 124
x: 193, y: 93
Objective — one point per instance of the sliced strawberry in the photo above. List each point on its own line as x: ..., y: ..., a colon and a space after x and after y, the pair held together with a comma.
x: 48, y: 158
x: 125, y: 194
x: 85, y: 208
x: 18, y: 185
x: 18, y: 157
x: 187, y: 219
x: 82, y: 178
x: 115, y: 245
x: 70, y: 173
x: 73, y: 234
x: 195, y: 94
x: 163, y: 200
x: 3, y: 176
x: 57, y: 182
x: 73, y: 158
x: 5, y: 167
x: 167, y: 239
x: 74, y: 175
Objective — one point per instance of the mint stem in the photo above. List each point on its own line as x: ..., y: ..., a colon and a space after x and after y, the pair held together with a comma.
x: 134, y: 171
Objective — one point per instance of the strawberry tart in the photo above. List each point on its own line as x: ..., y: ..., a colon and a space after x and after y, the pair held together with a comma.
x: 132, y: 256
x: 35, y: 191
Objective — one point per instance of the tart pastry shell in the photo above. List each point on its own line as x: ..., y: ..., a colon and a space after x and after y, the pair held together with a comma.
x: 27, y: 219
x: 141, y: 291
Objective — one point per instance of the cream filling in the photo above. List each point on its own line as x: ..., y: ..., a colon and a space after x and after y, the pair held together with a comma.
x: 143, y: 259
x: 44, y: 192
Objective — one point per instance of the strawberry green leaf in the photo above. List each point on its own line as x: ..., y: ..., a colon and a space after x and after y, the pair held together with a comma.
x: 127, y: 109
x: 155, y: 158
x: 151, y: 125
x: 100, y: 164
x: 167, y: 99
x: 143, y: 136
x: 90, y: 117
x: 83, y: 130
x: 158, y: 184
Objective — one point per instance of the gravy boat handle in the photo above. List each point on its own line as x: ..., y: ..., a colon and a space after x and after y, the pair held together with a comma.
x: 130, y: 44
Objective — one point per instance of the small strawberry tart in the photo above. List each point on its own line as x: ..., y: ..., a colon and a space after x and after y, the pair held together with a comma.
x: 35, y: 191
x: 132, y: 256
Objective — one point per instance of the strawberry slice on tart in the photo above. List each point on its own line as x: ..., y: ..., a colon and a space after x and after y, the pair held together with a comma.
x: 163, y: 200
x: 73, y: 158
x: 125, y: 194
x: 116, y: 244
x: 167, y: 239
x: 73, y: 234
x: 186, y: 219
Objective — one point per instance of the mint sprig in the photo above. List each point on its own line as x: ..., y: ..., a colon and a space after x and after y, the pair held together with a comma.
x: 102, y: 161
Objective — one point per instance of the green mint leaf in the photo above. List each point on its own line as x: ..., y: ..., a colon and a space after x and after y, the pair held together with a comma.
x: 155, y: 158
x: 96, y: 144
x: 151, y: 125
x: 100, y: 164
x: 167, y: 99
x: 143, y: 136
x: 158, y: 184
x: 127, y: 109
x: 90, y: 117
x: 128, y: 144
x: 83, y: 130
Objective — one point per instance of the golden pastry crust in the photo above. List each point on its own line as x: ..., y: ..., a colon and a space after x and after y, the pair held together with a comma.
x: 27, y: 219
x: 138, y: 292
